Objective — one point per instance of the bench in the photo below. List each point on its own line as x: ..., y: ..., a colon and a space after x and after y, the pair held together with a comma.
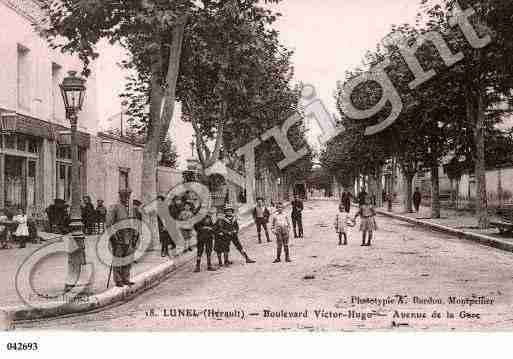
x: 504, y: 220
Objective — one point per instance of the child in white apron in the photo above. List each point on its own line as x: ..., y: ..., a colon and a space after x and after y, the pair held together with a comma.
x: 22, y: 232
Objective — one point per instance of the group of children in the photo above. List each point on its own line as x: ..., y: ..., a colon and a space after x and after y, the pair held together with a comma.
x: 218, y: 236
x: 368, y: 224
x: 21, y: 233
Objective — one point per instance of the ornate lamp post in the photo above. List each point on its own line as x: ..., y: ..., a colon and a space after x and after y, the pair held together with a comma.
x: 73, y: 92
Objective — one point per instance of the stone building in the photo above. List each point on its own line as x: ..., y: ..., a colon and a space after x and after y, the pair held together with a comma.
x: 35, y: 156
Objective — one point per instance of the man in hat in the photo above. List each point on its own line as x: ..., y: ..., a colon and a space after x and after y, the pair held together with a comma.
x: 297, y: 217
x: 227, y: 229
x: 122, y: 240
x: 261, y: 217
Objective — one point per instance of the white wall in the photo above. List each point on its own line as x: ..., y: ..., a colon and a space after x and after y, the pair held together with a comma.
x: 18, y: 31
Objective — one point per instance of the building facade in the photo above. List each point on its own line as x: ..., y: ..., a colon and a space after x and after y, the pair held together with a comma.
x: 35, y: 154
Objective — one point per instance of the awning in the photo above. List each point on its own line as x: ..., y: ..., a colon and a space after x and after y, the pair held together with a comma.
x: 15, y: 122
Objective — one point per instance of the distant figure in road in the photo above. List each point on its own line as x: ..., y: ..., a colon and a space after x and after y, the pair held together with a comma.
x: 121, y: 241
x: 361, y: 197
x: 345, y: 201
x: 281, y: 228
x: 261, y: 217
x: 205, y: 233
x: 341, y: 220
x: 368, y: 225
x: 297, y: 217
x: 417, y: 199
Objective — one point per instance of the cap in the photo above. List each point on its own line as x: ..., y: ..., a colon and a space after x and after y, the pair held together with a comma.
x: 125, y: 191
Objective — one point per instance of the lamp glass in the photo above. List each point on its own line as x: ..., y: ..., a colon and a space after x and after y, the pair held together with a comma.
x: 73, y: 92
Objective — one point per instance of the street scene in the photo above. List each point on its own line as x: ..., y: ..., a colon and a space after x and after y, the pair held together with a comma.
x: 215, y: 166
x: 405, y: 260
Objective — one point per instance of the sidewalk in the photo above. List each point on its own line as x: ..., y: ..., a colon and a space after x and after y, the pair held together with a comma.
x: 459, y: 223
x: 50, y: 275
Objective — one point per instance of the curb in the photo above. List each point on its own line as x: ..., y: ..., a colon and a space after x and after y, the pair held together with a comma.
x: 474, y: 237
x: 143, y: 282
x: 113, y: 296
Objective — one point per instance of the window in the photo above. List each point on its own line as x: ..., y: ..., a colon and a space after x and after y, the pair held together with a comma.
x: 64, y: 152
x: 10, y: 142
x: 20, y: 143
x: 123, y: 178
x: 31, y: 183
x: 24, y: 77
x: 33, y: 146
x: 57, y: 104
x: 63, y: 181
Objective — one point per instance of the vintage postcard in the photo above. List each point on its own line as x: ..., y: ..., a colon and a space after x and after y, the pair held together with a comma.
x: 256, y: 166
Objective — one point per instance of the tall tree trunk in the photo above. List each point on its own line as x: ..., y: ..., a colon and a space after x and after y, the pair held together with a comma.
x: 379, y: 187
x: 160, y: 117
x: 480, y: 165
x: 458, y: 192
x: 409, y: 192
x: 435, y: 192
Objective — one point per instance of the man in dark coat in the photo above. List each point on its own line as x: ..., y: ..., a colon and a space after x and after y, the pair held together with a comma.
x: 261, y: 217
x: 345, y: 201
x: 297, y: 217
x: 417, y: 199
x: 121, y: 241
x: 361, y: 197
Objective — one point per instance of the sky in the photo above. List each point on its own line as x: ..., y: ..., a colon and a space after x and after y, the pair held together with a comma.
x: 328, y: 37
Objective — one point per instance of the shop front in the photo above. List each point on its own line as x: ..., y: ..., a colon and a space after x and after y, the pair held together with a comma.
x: 35, y: 163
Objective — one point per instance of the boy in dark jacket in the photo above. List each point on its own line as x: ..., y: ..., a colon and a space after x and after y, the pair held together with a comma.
x: 205, y: 235
x: 227, y: 230
x: 261, y: 217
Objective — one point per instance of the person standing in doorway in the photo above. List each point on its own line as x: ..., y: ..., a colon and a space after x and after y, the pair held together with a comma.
x: 417, y: 199
x: 121, y: 241
x: 261, y: 217
x: 297, y: 217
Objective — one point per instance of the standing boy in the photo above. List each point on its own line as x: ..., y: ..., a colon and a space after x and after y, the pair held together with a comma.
x: 297, y: 217
x: 227, y: 229
x: 205, y: 234
x: 261, y: 216
x: 281, y: 228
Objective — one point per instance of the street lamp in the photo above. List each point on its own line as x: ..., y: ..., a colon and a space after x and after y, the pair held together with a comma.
x: 73, y: 92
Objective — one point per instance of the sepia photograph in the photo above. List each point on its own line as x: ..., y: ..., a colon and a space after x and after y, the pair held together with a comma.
x: 288, y: 167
